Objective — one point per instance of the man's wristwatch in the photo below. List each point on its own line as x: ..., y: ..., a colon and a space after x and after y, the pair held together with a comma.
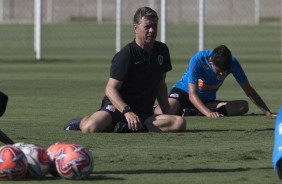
x: 126, y: 109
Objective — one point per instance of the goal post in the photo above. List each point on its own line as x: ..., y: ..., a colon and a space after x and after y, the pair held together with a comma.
x: 38, y: 29
x: 118, y: 25
x: 163, y: 20
x: 201, y: 24
x: 38, y: 25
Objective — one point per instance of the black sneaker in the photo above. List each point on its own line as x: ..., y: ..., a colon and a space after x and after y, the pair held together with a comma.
x: 73, y: 124
x: 190, y: 112
x: 279, y: 168
x: 121, y: 127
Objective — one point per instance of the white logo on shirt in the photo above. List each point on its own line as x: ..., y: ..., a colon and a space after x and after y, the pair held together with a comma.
x: 175, y: 95
x: 280, y: 128
x: 137, y: 62
x: 111, y: 108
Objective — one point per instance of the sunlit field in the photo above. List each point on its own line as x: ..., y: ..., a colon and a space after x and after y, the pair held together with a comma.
x: 44, y: 95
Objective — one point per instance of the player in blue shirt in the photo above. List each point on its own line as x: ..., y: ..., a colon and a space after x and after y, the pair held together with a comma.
x: 196, y: 90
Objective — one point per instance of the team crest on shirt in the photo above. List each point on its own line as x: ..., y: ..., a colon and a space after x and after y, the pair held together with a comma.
x: 160, y: 59
x: 203, y: 86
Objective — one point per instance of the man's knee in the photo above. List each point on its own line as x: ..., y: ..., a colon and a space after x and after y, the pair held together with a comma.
x: 87, y: 126
x: 179, y: 124
x: 234, y: 108
x: 244, y: 107
x: 91, y: 126
x: 166, y: 123
x: 100, y: 121
x: 157, y: 110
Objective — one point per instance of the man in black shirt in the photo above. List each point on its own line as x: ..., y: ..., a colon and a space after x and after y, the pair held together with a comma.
x: 137, y: 79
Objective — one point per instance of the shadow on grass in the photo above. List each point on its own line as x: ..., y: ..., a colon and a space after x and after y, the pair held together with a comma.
x: 250, y: 114
x: 173, y: 171
x: 93, y: 176
x: 231, y: 130
x: 100, y: 175
x: 253, y: 114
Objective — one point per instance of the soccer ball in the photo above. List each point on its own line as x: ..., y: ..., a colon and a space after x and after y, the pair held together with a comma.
x: 37, y: 158
x: 13, y: 163
x: 74, y: 162
x: 53, y: 151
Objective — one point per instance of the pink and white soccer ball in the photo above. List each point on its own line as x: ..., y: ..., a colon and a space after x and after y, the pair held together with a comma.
x: 53, y: 151
x: 13, y: 163
x: 37, y: 158
x: 74, y: 162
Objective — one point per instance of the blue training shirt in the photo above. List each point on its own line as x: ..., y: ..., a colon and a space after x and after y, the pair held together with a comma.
x: 200, y: 72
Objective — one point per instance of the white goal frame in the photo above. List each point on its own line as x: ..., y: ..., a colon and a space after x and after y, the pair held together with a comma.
x: 163, y: 22
x: 38, y: 25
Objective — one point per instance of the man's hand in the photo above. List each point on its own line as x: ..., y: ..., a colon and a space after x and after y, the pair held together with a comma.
x: 270, y: 114
x: 133, y: 121
x: 214, y: 115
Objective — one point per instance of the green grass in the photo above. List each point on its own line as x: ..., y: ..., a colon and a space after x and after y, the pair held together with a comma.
x: 44, y: 95
x: 69, y: 82
x: 89, y: 40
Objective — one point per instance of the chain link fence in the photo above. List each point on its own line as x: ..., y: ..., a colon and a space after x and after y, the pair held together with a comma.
x: 85, y: 29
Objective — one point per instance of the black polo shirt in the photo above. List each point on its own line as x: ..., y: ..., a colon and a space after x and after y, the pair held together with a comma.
x: 140, y: 74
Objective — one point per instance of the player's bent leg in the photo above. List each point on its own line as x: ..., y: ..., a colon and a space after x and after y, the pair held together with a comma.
x: 100, y: 121
x: 165, y: 123
x: 175, y: 107
x: 237, y: 107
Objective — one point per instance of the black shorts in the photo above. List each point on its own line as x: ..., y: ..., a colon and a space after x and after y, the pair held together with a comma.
x: 183, y: 98
x: 117, y: 116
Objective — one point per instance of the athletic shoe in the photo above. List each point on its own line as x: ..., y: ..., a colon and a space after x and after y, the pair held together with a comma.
x: 73, y: 124
x: 279, y: 168
x: 122, y: 127
x: 190, y: 112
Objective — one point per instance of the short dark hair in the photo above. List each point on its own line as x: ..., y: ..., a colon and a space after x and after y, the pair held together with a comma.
x: 222, y: 57
x: 145, y: 12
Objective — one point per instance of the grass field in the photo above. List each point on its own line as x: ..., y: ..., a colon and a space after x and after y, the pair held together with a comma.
x: 69, y: 82
x: 44, y: 95
x: 87, y: 40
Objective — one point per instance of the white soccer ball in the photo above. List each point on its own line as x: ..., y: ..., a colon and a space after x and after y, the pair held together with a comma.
x: 37, y: 158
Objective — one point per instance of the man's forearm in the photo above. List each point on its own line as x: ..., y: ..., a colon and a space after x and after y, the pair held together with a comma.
x: 257, y: 100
